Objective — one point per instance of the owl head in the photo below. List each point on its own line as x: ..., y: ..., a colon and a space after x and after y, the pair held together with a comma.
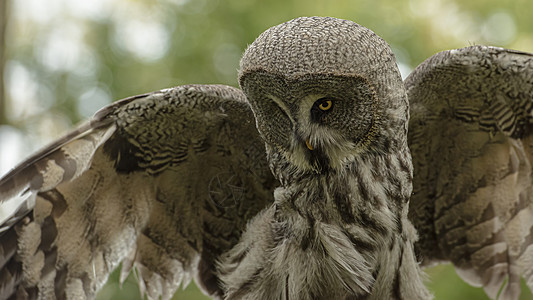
x: 324, y: 91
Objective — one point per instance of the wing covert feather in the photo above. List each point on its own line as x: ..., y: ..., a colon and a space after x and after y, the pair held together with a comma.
x: 470, y: 138
x: 164, y: 182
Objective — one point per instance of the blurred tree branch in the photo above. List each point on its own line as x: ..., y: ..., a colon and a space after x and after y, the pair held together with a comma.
x: 3, y: 25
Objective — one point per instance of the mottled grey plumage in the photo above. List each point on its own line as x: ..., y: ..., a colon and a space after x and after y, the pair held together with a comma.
x: 470, y: 138
x: 121, y: 188
x: 338, y: 228
x: 177, y: 183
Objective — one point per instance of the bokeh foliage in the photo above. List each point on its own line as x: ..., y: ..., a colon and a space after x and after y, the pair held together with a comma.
x: 67, y: 58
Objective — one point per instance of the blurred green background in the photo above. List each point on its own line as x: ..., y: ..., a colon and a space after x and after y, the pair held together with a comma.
x: 64, y: 59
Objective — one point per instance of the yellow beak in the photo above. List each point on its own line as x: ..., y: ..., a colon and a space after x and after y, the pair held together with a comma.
x: 309, y: 145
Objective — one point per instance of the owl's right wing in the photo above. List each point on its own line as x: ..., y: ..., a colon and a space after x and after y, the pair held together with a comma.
x: 164, y: 182
x: 471, y: 138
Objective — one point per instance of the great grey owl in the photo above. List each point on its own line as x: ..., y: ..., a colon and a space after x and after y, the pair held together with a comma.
x: 177, y: 183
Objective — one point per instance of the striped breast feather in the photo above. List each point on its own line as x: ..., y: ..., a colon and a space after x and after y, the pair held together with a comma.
x: 471, y: 143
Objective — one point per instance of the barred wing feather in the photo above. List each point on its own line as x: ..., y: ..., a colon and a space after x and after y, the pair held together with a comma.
x: 164, y: 182
x: 470, y: 138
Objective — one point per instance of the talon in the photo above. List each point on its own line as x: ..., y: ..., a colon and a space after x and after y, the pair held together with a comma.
x: 309, y: 145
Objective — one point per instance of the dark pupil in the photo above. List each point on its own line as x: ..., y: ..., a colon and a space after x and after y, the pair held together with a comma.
x: 316, y: 113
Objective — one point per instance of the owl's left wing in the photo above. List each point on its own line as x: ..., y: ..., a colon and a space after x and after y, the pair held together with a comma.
x: 471, y: 138
x: 164, y: 181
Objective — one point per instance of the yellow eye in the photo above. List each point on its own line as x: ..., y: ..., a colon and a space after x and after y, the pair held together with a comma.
x: 326, y: 105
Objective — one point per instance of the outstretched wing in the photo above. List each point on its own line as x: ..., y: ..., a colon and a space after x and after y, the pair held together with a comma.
x: 164, y: 181
x: 470, y: 135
